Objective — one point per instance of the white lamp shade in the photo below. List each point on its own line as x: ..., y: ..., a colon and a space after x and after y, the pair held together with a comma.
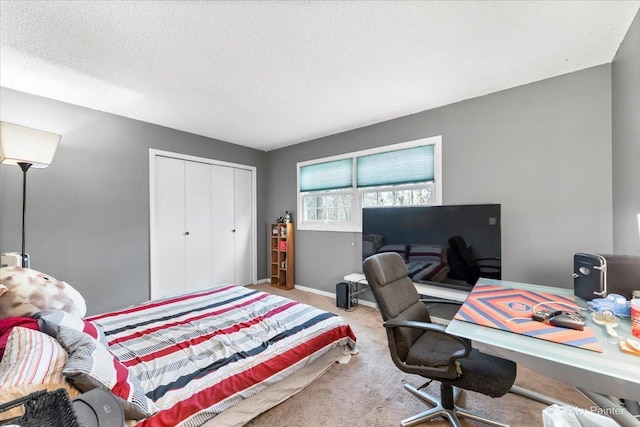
x: 20, y: 144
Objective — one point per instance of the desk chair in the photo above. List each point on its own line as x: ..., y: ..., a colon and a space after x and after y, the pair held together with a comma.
x: 473, y: 268
x: 420, y: 347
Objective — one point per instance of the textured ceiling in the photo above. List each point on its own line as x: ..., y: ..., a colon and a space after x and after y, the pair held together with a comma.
x: 274, y: 73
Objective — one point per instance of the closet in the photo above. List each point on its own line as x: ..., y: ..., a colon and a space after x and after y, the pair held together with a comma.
x: 202, y: 222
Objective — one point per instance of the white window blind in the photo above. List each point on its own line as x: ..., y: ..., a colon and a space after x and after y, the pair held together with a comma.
x: 332, y: 191
x: 407, y: 166
x: 327, y: 176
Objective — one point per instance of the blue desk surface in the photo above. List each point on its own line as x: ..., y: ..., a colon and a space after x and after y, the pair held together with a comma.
x: 611, y: 372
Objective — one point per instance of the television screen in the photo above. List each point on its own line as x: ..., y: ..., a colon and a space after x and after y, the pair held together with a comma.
x: 447, y: 245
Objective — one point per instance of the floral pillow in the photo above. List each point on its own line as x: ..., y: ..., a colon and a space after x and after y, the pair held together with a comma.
x: 24, y: 292
x: 371, y: 243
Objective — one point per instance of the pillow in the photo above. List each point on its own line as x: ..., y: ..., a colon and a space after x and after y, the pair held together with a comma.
x: 375, y: 241
x: 401, y: 249
x: 29, y: 291
x: 368, y: 248
x: 6, y: 325
x: 91, y: 365
x: 9, y: 394
x: 50, y: 321
x: 435, y: 252
x: 31, y: 357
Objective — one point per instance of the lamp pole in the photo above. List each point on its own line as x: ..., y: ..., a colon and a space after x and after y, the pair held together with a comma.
x: 25, y: 167
x: 26, y: 147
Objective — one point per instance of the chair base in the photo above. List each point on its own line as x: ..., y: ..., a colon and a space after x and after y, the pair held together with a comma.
x: 438, y: 410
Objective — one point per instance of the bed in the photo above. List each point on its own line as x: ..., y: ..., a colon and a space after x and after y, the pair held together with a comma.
x: 219, y: 356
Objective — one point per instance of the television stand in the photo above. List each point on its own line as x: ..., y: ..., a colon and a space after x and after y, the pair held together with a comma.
x: 443, y: 292
x: 459, y: 285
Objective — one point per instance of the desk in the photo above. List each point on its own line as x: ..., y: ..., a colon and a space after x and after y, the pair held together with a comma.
x: 423, y: 289
x: 610, y: 373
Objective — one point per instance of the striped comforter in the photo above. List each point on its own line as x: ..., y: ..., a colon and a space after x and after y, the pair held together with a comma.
x: 200, y: 353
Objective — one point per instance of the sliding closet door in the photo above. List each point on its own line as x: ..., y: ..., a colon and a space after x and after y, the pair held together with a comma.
x: 168, y: 262
x: 202, y: 224
x: 222, y: 224
x: 198, y: 225
x: 242, y: 217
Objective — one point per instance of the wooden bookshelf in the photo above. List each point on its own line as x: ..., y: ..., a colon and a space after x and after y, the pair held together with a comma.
x: 282, y: 255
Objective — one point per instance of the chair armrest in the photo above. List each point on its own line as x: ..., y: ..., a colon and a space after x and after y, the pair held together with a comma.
x: 450, y: 371
x: 432, y: 327
x: 489, y: 259
x: 441, y: 301
x: 446, y: 285
x: 489, y: 269
x: 486, y: 264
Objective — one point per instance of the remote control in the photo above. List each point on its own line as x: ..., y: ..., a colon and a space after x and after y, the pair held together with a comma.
x: 564, y: 319
x: 542, y: 315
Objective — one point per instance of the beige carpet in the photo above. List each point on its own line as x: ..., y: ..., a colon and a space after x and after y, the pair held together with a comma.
x: 368, y: 391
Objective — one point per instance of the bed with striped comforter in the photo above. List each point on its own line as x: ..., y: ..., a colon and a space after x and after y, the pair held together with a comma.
x: 200, y: 353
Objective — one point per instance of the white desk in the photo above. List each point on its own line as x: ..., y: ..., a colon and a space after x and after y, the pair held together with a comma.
x: 423, y: 289
x: 610, y: 373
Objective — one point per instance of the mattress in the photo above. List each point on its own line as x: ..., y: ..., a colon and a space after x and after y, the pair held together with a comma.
x: 199, y: 354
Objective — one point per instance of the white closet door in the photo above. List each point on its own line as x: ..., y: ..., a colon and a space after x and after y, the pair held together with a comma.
x: 198, y: 225
x: 243, y: 212
x: 203, y: 229
x: 222, y: 225
x: 168, y: 274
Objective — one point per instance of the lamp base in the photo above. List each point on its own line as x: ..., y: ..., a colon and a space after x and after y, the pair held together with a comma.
x: 15, y: 259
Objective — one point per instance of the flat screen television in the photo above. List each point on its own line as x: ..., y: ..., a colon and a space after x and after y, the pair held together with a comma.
x: 426, y: 236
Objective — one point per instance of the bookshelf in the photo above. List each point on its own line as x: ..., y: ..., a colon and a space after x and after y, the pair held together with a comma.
x: 282, y: 255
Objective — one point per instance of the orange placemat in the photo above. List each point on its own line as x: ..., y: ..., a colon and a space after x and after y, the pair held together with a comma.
x: 510, y: 309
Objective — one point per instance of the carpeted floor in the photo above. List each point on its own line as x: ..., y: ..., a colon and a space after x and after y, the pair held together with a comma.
x: 369, y: 392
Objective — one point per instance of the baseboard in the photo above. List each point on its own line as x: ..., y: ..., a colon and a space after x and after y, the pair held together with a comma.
x: 333, y: 295
x: 324, y: 293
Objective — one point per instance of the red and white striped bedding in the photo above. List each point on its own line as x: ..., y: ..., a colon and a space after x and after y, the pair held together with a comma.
x: 200, y: 353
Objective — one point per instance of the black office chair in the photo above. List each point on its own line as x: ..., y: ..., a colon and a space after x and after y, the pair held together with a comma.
x: 472, y: 268
x: 420, y: 347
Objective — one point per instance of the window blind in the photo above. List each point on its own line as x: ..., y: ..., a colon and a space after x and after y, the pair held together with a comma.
x: 406, y: 166
x: 327, y: 176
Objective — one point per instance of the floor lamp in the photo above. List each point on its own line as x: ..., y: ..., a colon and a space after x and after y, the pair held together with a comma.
x: 27, y: 148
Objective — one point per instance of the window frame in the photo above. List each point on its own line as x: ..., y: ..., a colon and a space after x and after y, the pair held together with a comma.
x: 355, y: 225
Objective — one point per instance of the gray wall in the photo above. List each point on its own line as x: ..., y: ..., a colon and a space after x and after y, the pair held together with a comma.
x: 626, y: 143
x: 88, y: 213
x: 542, y: 150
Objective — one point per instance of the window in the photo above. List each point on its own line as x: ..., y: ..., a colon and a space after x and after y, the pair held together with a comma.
x: 419, y: 195
x: 332, y: 191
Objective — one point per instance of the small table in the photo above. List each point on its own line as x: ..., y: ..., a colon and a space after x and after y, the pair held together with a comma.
x: 356, y: 279
x: 597, y: 375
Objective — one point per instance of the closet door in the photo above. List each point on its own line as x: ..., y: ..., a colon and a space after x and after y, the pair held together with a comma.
x: 198, y: 245
x: 222, y: 225
x: 168, y: 260
x: 202, y: 227
x: 242, y: 225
